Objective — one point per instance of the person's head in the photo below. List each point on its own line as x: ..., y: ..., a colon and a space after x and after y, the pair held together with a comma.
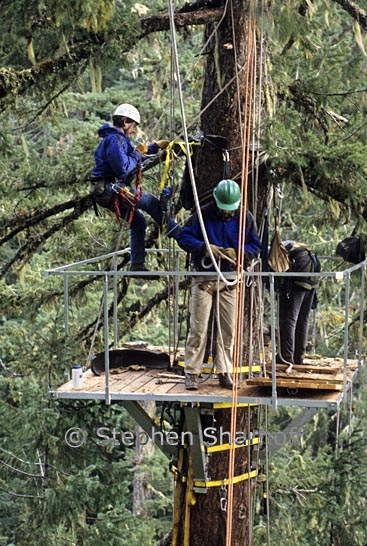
x: 227, y: 196
x: 126, y: 117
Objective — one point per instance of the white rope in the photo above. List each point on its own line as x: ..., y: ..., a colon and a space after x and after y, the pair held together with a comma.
x: 189, y: 162
x: 189, y: 71
x: 257, y: 100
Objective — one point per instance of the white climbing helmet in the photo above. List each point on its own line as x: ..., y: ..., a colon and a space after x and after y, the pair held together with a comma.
x: 128, y: 111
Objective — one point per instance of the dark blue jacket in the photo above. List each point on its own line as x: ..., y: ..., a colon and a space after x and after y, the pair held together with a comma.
x: 115, y: 156
x: 221, y: 232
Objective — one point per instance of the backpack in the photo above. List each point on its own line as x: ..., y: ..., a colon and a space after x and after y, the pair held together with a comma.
x: 293, y: 257
x: 351, y: 249
x: 303, y: 259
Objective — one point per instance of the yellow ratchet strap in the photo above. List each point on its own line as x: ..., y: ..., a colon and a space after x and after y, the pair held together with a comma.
x: 227, y: 481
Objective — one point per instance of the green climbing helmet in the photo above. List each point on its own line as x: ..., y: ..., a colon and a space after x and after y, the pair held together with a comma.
x: 227, y: 195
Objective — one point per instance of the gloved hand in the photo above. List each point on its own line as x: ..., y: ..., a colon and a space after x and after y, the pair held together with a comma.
x: 163, y: 144
x: 231, y: 253
x: 142, y: 149
x: 217, y: 251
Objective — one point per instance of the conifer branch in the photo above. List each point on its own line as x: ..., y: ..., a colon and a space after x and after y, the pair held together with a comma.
x: 355, y: 11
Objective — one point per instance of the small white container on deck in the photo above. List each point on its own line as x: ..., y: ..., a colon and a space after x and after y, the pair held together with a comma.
x: 77, y: 376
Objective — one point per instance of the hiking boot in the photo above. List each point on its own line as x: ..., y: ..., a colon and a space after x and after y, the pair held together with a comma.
x: 138, y: 266
x: 225, y: 380
x: 191, y: 381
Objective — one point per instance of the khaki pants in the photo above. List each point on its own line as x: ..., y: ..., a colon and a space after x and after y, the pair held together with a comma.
x: 205, y: 294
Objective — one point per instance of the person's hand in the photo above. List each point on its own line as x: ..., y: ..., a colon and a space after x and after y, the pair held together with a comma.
x: 231, y: 253
x: 142, y: 148
x: 216, y: 250
x: 163, y: 144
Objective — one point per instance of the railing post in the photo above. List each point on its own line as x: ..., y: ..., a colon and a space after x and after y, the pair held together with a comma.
x: 66, y: 304
x: 115, y: 328
x: 274, y: 400
x: 361, y: 313
x: 346, y: 327
x: 106, y: 343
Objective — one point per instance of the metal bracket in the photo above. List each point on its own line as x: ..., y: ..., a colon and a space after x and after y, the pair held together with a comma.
x: 197, y: 447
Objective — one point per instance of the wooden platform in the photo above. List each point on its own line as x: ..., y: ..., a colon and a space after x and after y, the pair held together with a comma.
x: 319, y: 383
x: 316, y: 373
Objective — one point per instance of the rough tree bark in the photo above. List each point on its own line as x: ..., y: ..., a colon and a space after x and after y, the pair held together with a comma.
x: 223, y: 101
x: 142, y: 491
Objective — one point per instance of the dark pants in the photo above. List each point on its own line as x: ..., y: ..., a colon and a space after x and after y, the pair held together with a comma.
x: 148, y: 203
x: 294, y: 310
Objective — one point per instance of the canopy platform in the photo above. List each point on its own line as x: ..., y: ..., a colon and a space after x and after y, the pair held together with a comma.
x: 318, y: 383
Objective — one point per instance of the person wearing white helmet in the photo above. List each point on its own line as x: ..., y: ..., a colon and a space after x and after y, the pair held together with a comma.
x: 128, y: 111
x: 115, y: 159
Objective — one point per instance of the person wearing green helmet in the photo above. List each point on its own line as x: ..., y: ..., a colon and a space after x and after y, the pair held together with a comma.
x: 221, y: 220
x: 227, y: 195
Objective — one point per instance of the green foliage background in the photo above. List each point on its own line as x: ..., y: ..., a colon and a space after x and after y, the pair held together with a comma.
x: 51, y: 494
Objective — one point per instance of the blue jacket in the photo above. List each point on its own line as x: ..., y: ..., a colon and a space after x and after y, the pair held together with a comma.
x: 115, y: 156
x: 221, y: 232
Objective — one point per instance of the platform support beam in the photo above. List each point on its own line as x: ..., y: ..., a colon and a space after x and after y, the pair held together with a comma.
x: 148, y: 425
x: 197, y: 448
x: 293, y: 431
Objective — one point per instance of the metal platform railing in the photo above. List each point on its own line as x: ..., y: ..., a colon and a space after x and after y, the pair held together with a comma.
x: 111, y: 275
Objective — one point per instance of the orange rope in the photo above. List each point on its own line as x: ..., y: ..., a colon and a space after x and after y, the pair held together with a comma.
x: 247, y: 129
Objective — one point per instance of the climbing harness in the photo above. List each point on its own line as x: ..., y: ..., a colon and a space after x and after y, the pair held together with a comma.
x: 131, y: 198
x: 176, y: 149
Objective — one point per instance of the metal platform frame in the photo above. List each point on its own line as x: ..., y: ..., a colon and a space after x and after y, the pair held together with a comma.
x: 194, y: 405
x: 83, y: 268
x: 246, y: 395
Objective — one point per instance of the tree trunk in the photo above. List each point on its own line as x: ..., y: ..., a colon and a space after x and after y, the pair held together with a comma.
x: 142, y: 475
x: 226, y: 101
x: 225, y: 52
x: 209, y: 514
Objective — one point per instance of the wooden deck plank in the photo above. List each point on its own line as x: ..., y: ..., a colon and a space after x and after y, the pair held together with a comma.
x: 311, y: 389
x: 306, y: 368
x: 323, y: 369
x: 160, y: 386
x: 134, y: 380
x: 310, y: 376
x: 296, y: 384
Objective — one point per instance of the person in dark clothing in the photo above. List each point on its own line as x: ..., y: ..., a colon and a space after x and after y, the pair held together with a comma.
x: 297, y: 297
x: 222, y: 225
x: 115, y: 159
